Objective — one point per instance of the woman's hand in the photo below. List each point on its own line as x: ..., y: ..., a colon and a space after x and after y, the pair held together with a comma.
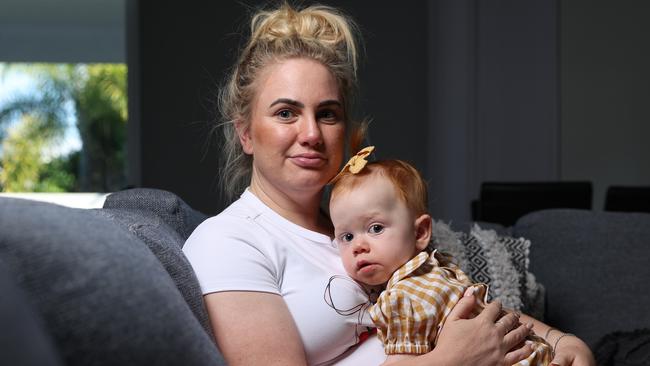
x: 482, y: 340
x: 571, y: 351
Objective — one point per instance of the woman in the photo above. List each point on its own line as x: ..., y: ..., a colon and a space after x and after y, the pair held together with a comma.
x: 264, y: 262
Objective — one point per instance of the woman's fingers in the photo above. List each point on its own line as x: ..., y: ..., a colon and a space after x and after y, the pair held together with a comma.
x: 516, y: 336
x: 508, y: 322
x: 464, y: 307
x: 491, y: 312
x: 518, y: 354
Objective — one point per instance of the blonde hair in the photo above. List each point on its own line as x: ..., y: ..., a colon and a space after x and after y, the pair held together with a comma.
x: 409, y: 185
x: 317, y: 32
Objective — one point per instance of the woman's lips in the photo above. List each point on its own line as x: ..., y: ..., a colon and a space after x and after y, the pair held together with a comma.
x: 308, y: 160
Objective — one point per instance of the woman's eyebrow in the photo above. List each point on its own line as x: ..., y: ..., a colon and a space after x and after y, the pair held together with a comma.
x: 287, y: 101
x: 329, y: 102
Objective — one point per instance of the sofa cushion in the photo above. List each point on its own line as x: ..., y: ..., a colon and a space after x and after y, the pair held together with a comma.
x: 104, y: 297
x: 165, y: 243
x: 502, y: 262
x: 498, y: 261
x: 166, y: 205
x: 624, y: 349
x: 23, y: 339
x: 594, y: 266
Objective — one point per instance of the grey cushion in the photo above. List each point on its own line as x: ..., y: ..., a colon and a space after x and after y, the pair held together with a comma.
x: 166, y: 205
x: 165, y: 244
x: 624, y: 349
x: 104, y: 298
x: 23, y: 339
x: 594, y: 266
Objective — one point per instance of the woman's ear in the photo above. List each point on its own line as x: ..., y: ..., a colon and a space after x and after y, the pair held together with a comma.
x: 422, y: 231
x: 243, y: 132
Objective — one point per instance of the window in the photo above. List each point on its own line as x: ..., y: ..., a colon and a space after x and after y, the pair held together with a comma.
x: 62, y: 99
x: 63, y: 127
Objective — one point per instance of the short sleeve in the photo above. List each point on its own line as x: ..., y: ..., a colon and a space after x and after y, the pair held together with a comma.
x: 405, y: 324
x: 226, y: 256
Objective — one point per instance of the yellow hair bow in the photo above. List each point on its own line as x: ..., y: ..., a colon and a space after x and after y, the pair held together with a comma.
x: 356, y: 162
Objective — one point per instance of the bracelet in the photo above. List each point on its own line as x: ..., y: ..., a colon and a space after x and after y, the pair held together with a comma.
x: 548, y: 332
x: 558, y: 340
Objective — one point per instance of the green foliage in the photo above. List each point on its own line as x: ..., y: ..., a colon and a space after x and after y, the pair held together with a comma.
x: 60, y: 174
x: 21, y: 157
x: 98, y: 94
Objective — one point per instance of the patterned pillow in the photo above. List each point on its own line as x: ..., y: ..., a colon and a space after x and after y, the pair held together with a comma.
x: 498, y: 261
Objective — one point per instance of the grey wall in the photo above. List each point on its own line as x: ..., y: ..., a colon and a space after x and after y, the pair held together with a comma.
x: 178, y: 54
x: 62, y: 31
x: 605, y: 58
x: 494, y: 103
x: 465, y: 90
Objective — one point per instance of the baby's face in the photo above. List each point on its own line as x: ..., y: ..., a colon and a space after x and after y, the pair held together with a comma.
x: 374, y: 230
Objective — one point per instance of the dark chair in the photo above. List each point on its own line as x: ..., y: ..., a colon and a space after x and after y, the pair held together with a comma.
x: 505, y: 202
x: 628, y: 199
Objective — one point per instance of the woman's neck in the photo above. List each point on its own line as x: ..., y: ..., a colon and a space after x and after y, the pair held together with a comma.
x: 301, y: 208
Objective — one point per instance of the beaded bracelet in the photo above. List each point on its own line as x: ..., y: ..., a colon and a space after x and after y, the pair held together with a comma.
x: 558, y: 340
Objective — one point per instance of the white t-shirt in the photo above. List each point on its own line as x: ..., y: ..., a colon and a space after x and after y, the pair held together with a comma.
x: 249, y: 247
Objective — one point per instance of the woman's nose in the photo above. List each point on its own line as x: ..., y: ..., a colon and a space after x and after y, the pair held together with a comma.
x: 310, y: 133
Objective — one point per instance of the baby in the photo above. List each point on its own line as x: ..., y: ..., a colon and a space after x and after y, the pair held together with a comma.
x: 382, y: 230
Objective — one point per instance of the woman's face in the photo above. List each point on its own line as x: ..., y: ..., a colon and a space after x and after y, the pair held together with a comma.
x: 296, y: 130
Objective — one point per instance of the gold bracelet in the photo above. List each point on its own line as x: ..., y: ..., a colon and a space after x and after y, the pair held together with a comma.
x: 558, y: 340
x: 548, y: 332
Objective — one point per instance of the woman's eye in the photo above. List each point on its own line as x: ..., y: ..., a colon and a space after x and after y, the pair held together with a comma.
x: 285, y: 114
x: 328, y: 116
x: 376, y: 229
x: 347, y: 237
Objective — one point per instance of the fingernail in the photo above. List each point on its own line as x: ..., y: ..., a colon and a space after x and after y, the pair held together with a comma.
x: 528, y: 342
x: 469, y: 291
x: 529, y: 325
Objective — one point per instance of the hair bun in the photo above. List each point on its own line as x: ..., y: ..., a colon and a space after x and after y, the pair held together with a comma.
x: 314, y: 24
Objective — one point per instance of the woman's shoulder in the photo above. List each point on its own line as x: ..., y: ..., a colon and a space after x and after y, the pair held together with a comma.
x: 234, y: 220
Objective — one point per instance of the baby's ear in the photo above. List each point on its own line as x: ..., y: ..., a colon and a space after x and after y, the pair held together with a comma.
x: 422, y: 231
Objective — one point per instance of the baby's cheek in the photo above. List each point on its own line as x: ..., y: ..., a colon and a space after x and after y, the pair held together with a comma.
x: 348, y: 261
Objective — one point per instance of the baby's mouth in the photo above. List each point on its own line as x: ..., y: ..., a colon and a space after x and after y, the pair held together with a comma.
x: 363, y: 263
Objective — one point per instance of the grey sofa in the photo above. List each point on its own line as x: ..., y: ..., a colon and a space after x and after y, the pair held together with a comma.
x: 111, y: 286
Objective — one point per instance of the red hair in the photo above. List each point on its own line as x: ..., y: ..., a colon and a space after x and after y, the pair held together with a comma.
x: 407, y: 181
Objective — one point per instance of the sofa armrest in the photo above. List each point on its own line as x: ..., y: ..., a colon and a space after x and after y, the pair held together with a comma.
x: 164, y: 204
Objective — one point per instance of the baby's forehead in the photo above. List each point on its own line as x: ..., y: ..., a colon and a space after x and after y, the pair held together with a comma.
x: 373, y: 188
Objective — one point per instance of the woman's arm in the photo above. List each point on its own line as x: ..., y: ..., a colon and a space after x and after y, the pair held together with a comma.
x: 259, y: 329
x: 481, y: 341
x: 569, y: 350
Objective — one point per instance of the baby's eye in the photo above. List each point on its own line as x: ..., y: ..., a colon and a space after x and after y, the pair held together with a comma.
x: 376, y: 229
x: 347, y: 237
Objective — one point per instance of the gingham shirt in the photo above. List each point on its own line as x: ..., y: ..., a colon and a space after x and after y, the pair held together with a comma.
x: 417, y: 300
